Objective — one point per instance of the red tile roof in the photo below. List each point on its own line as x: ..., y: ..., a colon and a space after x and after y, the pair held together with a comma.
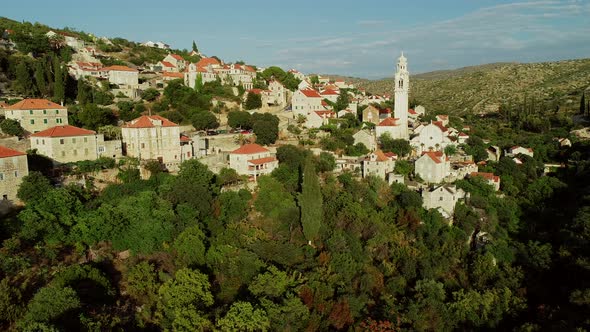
x: 35, y: 104
x: 311, y: 93
x: 147, y: 121
x: 177, y: 57
x: 185, y: 138
x: 118, y: 68
x: 487, y: 176
x: 64, y: 131
x: 167, y: 64
x: 262, y: 160
x: 204, y: 62
x: 175, y: 75
x: 7, y: 152
x: 440, y: 125
x: 411, y: 111
x: 388, y: 122
x: 249, y: 149
x: 390, y: 155
x: 325, y: 114
x: 436, y: 156
x: 329, y: 92
x: 463, y: 135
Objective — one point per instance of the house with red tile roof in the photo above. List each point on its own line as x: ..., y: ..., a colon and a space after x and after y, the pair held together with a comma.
x: 379, y: 164
x: 35, y: 115
x: 152, y: 137
x: 444, y: 119
x: 176, y: 61
x: 193, y: 71
x: 66, y: 144
x: 491, y: 179
x: 390, y: 126
x: 433, y: 166
x: 317, y: 119
x: 13, y: 167
x: 252, y: 160
x: 306, y: 101
x: 331, y: 95
x: 167, y: 67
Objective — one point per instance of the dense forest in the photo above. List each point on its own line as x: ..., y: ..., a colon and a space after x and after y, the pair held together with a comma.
x: 308, y: 250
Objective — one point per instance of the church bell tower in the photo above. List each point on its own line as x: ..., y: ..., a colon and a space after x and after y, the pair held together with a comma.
x: 402, y: 89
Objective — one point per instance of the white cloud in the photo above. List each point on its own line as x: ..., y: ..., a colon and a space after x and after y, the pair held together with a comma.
x: 519, y: 31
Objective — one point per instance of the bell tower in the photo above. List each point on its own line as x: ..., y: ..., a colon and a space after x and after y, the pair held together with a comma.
x: 401, y: 90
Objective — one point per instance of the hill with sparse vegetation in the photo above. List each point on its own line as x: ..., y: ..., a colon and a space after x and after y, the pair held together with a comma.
x: 485, y: 88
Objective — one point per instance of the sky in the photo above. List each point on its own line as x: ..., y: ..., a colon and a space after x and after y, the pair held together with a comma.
x: 353, y: 38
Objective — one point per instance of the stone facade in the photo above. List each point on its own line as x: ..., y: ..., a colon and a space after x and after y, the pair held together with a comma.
x: 35, y: 115
x: 13, y: 167
x: 65, y: 144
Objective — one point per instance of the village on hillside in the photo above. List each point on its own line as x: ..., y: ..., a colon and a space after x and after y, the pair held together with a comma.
x: 387, y: 137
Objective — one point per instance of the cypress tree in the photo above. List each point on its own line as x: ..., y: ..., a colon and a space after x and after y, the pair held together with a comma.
x: 58, y: 85
x: 23, y: 79
x: 583, y: 104
x: 310, y: 203
x: 195, y: 47
x: 40, y: 78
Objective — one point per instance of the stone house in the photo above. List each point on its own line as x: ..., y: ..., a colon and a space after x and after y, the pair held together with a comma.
x: 433, y: 166
x: 152, y: 137
x: 492, y: 180
x: 13, y: 167
x: 65, y: 144
x: 306, y: 101
x: 319, y: 118
x: 367, y: 138
x: 379, y: 164
x: 391, y: 127
x: 516, y: 150
x: 442, y: 198
x: 371, y: 114
x: 35, y: 115
x: 121, y: 75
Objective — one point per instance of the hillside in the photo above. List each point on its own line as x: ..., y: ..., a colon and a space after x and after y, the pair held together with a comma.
x: 480, y: 88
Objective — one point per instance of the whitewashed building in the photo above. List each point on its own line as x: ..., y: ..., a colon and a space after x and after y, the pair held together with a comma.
x: 433, y: 166
x: 252, y: 160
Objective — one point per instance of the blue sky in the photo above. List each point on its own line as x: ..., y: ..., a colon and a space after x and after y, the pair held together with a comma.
x: 360, y: 38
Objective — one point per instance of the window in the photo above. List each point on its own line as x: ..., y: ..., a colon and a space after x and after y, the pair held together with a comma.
x: 61, y: 141
x: 31, y: 112
x: 73, y: 140
x: 32, y: 121
x: 16, y: 174
x: 63, y: 153
x: 101, y: 149
x: 58, y: 121
x: 143, y: 145
x: 56, y: 111
x: 5, y: 197
x: 440, y: 199
x: 1, y: 176
x: 37, y: 141
x: 85, y: 139
x: 43, y: 141
x: 45, y: 121
x: 44, y: 111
